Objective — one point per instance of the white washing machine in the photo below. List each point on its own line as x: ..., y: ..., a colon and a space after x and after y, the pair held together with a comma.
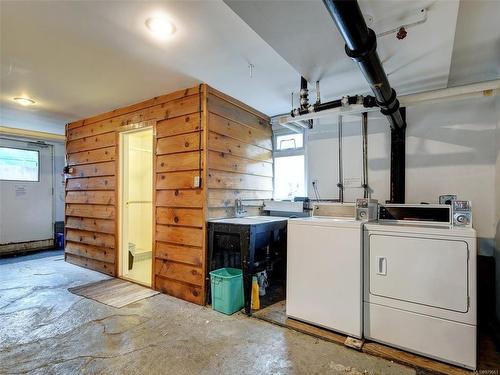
x: 324, y: 270
x: 420, y: 283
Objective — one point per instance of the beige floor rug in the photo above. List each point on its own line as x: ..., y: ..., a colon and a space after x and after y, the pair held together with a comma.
x: 113, y: 292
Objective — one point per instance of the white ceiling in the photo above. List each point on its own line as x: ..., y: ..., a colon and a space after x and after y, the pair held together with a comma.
x: 79, y: 58
x: 305, y: 35
x: 476, y: 51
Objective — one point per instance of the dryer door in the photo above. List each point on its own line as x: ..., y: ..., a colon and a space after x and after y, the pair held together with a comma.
x: 431, y: 272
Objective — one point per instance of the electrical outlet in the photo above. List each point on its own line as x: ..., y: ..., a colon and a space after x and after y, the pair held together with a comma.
x: 196, y: 181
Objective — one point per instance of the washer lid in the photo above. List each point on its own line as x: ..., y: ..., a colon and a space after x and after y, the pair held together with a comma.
x: 327, y: 221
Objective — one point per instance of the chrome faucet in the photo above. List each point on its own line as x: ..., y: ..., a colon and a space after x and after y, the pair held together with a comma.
x: 239, y: 208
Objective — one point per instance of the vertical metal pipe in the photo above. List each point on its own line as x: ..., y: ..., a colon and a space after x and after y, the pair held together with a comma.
x: 318, y: 94
x: 340, y: 185
x: 304, y: 94
x: 398, y: 161
x: 364, y: 131
x: 304, y: 99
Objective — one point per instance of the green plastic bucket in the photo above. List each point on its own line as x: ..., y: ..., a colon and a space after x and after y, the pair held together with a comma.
x: 227, y: 290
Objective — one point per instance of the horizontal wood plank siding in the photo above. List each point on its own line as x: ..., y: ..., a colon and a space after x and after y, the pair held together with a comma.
x: 241, y: 132
x: 231, y: 146
x: 239, y: 156
x: 92, y: 156
x: 131, y: 109
x: 179, y: 216
x: 92, y: 187
x: 200, y: 133
x: 91, y: 183
x: 176, y: 180
x: 178, y: 162
x: 89, y: 251
x: 93, y: 170
x: 91, y: 197
x: 178, y: 143
x: 187, y: 292
x: 192, y: 198
x: 91, y: 238
x: 178, y: 125
x: 91, y: 143
x: 91, y: 211
x: 93, y: 225
x: 229, y: 163
x: 180, y: 253
x: 92, y: 263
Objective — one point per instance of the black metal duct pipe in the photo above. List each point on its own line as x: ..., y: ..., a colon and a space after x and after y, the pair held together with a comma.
x: 361, y: 46
x: 398, y: 160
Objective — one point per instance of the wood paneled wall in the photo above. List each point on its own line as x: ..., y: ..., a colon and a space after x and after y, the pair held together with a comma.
x: 233, y: 159
x: 239, y: 154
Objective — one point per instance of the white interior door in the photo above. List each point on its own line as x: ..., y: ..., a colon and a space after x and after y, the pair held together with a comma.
x: 26, y: 191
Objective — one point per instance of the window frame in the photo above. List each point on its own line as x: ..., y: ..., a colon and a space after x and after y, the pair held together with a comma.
x: 38, y: 165
x: 301, y: 151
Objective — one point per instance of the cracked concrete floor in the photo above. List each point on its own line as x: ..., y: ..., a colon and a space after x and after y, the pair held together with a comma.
x: 44, y: 329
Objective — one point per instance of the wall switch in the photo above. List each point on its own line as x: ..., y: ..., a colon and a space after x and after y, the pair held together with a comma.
x: 197, y: 181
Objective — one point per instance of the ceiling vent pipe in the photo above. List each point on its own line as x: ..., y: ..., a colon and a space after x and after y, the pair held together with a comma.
x: 361, y: 46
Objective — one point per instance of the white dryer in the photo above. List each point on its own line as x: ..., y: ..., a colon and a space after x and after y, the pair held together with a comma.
x: 420, y: 283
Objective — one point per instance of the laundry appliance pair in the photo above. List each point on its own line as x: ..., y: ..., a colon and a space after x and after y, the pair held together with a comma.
x: 403, y: 275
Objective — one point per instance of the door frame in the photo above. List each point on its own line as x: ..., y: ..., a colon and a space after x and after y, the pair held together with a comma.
x: 129, y: 128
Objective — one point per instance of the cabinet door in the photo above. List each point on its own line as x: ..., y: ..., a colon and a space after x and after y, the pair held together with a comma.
x: 431, y: 272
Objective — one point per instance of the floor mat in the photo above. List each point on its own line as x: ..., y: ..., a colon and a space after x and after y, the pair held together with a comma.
x: 113, y: 292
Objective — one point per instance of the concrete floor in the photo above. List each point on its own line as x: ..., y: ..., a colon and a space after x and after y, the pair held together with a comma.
x: 45, y: 329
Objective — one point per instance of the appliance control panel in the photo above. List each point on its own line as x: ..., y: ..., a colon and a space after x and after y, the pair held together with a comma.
x: 462, y: 213
x: 366, y: 209
x: 432, y: 213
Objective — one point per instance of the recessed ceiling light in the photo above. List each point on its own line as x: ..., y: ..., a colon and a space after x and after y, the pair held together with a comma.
x: 24, y: 101
x: 160, y: 26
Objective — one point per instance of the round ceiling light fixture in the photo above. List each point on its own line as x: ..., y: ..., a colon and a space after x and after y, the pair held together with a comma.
x: 160, y: 27
x: 24, y: 101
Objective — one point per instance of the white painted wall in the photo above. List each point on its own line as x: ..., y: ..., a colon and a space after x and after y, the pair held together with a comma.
x: 451, y: 148
x: 59, y: 192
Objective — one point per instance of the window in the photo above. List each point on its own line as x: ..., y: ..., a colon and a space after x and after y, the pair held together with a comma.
x: 289, y: 177
x: 19, y: 165
x: 289, y: 141
x: 289, y: 166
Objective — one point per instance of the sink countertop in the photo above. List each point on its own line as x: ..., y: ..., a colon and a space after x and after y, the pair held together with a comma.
x: 249, y: 220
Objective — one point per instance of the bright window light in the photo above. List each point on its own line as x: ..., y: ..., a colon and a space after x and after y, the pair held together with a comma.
x: 289, y: 177
x: 19, y: 165
x: 289, y: 141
